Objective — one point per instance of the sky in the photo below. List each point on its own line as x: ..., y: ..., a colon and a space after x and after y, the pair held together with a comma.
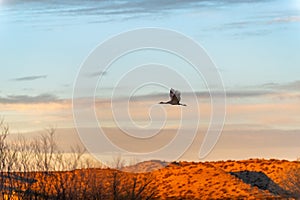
x: 254, y: 45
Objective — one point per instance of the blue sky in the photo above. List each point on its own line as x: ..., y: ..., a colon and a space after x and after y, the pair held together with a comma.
x: 254, y: 44
x: 251, y: 42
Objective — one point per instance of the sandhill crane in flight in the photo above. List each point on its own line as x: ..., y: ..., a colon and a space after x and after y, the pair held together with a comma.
x: 175, y: 98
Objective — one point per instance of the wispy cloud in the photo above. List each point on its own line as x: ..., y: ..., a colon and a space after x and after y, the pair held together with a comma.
x: 259, y: 21
x: 29, y: 78
x: 207, y: 94
x: 256, y: 25
x: 124, y: 9
x: 289, y: 90
x: 26, y: 99
x: 266, y: 91
x: 285, y: 19
x: 291, y: 86
x: 96, y: 74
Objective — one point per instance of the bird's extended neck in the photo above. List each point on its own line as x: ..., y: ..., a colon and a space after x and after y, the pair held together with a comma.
x: 163, y: 102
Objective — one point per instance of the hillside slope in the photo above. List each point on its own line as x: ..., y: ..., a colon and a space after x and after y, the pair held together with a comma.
x: 248, y: 179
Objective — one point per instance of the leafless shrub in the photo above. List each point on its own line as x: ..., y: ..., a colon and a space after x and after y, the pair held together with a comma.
x: 133, y: 186
x: 37, y: 169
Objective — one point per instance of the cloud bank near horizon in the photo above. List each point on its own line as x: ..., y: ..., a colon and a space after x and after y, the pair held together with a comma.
x: 28, y: 99
x: 234, y: 144
x: 268, y: 91
x: 263, y: 124
x: 276, y: 108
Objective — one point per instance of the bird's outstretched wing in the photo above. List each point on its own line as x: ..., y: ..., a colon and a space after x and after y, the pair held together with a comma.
x: 177, y: 94
x: 172, y: 93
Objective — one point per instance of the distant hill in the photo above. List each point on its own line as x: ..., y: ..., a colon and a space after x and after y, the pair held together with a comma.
x: 145, y: 166
x: 247, y: 179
